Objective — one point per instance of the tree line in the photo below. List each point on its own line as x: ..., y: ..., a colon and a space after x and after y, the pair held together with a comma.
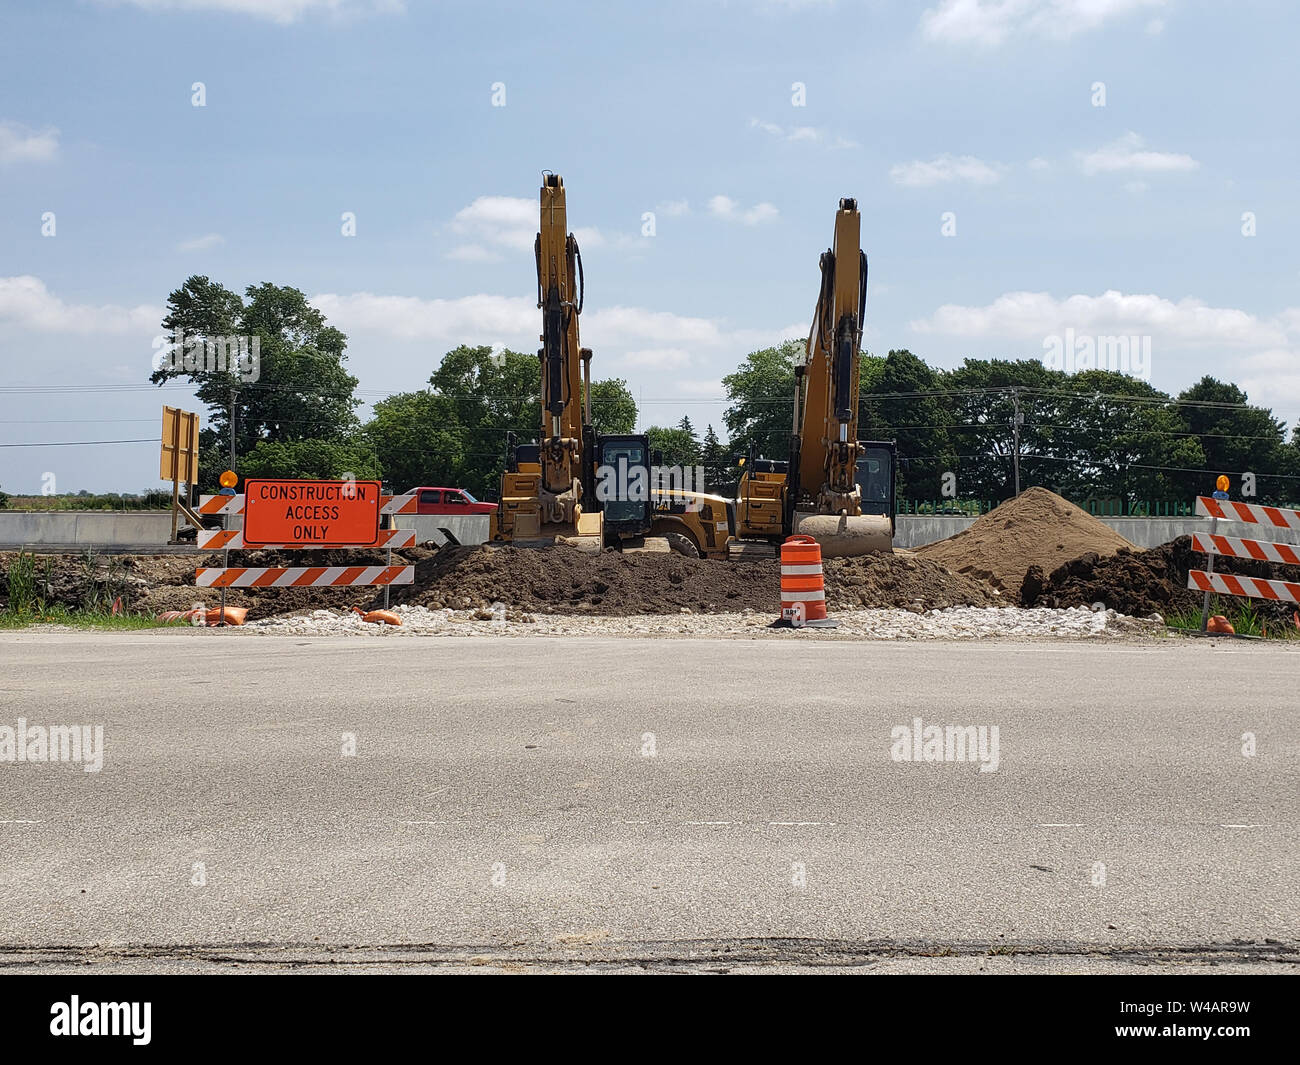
x: 1095, y: 433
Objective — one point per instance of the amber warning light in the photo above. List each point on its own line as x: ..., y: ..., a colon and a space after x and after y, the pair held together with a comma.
x: 315, y: 513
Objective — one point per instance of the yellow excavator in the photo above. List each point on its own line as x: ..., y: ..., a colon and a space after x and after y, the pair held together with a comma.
x: 833, y: 487
x: 573, y: 486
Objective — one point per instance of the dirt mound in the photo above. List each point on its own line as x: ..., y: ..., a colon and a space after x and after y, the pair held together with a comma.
x: 1140, y: 582
x: 879, y: 581
x: 1037, y: 529
x: 564, y: 580
x: 567, y: 581
x: 558, y: 580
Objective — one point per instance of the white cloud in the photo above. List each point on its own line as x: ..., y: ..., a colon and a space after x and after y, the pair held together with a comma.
x: 507, y: 221
x: 203, y: 243
x: 1034, y: 315
x: 510, y: 223
x: 18, y: 144
x: 1261, y: 354
x: 805, y: 134
x: 281, y: 11
x: 1271, y: 378
x: 726, y: 207
x: 1127, y: 154
x: 480, y: 319
x: 945, y: 168
x: 646, y: 337
x: 992, y: 22
x: 26, y: 303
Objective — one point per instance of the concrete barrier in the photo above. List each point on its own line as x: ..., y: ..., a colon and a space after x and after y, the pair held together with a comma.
x: 141, y: 530
x: 467, y: 528
x: 84, y: 529
x: 916, y: 530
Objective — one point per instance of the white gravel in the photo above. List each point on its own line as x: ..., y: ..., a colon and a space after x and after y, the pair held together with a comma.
x: 958, y: 623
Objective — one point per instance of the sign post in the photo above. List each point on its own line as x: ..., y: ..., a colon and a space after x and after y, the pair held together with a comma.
x: 179, y: 461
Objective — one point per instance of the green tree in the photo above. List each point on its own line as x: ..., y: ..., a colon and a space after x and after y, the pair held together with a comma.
x: 1235, y: 438
x: 761, y: 395
x: 1116, y: 437
x: 714, y: 457
x: 301, y: 392
x: 330, y: 460
x: 613, y: 410
x: 901, y: 399
x: 981, y: 405
x: 455, y: 432
x: 678, y: 445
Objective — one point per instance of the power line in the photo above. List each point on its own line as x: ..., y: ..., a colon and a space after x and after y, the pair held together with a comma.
x: 82, y: 443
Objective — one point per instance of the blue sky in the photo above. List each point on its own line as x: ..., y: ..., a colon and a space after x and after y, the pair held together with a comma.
x: 1118, y: 219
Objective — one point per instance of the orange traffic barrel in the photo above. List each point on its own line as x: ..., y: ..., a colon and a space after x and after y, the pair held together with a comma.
x: 803, y: 592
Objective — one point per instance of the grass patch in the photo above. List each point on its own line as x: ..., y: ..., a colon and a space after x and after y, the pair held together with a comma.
x: 82, y: 619
x: 1242, y: 614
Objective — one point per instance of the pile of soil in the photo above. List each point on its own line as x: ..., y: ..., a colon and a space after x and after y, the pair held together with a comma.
x: 1141, y: 582
x: 565, y: 580
x: 903, y: 580
x: 559, y: 580
x: 1038, y: 528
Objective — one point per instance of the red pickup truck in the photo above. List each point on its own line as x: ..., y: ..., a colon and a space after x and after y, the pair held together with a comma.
x: 449, y: 501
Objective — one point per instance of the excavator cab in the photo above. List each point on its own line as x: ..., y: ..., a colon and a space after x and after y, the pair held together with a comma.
x: 876, y: 478
x: 622, y: 485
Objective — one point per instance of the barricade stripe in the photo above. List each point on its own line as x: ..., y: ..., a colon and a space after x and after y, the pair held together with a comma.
x: 1252, y: 513
x: 1253, y: 587
x: 302, y: 576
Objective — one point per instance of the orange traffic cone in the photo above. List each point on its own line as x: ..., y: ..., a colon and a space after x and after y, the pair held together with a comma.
x: 803, y: 591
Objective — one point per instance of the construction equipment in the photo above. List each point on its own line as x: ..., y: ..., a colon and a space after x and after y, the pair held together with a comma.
x: 834, y: 487
x: 573, y: 486
x: 542, y: 496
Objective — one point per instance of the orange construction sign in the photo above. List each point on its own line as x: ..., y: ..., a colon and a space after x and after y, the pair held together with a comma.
x: 315, y: 513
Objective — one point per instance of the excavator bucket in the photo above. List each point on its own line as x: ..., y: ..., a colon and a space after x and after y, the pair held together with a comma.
x: 844, y: 535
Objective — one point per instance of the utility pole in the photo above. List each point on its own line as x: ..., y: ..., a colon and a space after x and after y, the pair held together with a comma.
x: 1016, y: 421
x: 233, y: 394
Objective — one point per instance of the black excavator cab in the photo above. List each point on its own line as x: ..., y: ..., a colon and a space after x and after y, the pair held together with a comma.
x: 622, y: 483
x: 875, y: 477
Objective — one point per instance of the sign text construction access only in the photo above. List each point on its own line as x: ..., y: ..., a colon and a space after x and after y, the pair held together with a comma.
x: 319, y: 513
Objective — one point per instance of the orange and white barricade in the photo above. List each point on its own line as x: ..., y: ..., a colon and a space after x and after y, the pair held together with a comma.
x: 803, y: 588
x: 1213, y: 545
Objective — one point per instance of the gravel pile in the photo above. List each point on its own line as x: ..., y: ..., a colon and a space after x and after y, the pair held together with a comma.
x: 958, y: 623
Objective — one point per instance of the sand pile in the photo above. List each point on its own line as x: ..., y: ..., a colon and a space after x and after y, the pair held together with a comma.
x: 1037, y: 529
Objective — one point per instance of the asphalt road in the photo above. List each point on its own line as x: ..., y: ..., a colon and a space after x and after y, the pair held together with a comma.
x: 648, y: 804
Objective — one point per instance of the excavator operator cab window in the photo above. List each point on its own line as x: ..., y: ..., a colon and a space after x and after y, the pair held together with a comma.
x: 875, y: 477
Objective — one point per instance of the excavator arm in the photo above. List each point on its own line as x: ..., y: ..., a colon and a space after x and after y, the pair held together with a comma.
x: 819, y: 489
x: 566, y: 420
x: 827, y: 431
x: 547, y: 490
